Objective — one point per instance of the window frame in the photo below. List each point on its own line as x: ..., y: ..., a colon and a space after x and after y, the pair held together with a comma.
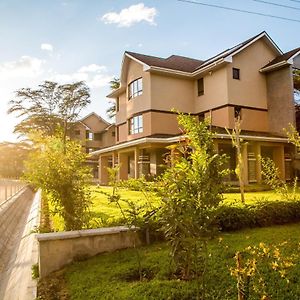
x: 135, y: 125
x: 236, y: 73
x: 200, y: 92
x: 132, y: 93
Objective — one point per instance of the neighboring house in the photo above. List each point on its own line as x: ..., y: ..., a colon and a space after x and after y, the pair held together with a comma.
x: 252, y: 79
x: 94, y: 133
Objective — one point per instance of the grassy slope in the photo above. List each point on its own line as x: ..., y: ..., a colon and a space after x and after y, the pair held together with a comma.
x: 106, y: 276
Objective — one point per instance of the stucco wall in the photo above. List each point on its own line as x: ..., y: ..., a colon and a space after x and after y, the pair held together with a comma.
x: 59, y: 249
x: 280, y: 99
x: 170, y: 92
x: 215, y: 91
x: 251, y: 88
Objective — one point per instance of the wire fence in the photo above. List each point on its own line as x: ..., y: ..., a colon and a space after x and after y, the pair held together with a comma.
x: 9, y: 187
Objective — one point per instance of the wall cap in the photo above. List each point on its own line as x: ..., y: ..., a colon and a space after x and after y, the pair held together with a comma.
x: 82, y: 233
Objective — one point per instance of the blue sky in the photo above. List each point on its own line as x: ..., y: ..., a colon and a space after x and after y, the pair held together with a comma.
x: 69, y: 40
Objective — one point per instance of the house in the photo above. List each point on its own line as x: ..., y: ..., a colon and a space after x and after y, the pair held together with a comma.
x: 94, y: 133
x: 252, y: 79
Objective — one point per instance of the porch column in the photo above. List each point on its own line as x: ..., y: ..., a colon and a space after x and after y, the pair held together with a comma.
x: 257, y: 153
x: 279, y: 161
x: 123, y: 166
x: 136, y: 162
x: 103, y: 173
x: 114, y: 160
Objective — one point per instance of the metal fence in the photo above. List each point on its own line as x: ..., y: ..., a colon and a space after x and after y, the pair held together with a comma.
x: 9, y: 187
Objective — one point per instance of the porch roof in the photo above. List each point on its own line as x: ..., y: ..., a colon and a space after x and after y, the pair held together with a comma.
x: 178, y: 138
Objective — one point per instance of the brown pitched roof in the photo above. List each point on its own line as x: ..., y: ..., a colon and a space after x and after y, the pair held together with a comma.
x: 173, y: 62
x: 186, y: 64
x: 281, y: 58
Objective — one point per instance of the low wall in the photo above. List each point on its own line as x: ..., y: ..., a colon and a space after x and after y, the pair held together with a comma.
x: 61, y: 248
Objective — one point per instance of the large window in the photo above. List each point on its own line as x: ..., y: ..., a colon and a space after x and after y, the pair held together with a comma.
x: 135, y: 88
x: 136, y: 124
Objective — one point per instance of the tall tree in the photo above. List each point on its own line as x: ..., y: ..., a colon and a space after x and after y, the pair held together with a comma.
x: 49, y: 107
x: 12, y: 157
x: 111, y: 111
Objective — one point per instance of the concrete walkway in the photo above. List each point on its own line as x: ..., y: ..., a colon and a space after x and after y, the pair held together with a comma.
x: 20, y: 252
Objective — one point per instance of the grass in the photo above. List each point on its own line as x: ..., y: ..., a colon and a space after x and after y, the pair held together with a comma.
x: 105, y: 213
x: 112, y: 275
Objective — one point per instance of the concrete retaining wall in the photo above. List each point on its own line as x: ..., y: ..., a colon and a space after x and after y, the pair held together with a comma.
x: 59, y: 249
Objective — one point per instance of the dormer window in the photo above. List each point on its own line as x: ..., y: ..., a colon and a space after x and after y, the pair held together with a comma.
x: 135, y: 88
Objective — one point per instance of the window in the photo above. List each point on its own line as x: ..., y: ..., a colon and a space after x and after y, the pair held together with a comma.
x: 117, y: 104
x: 136, y: 124
x: 201, y: 117
x: 135, y: 88
x: 200, y: 84
x: 117, y: 133
x: 113, y: 133
x: 89, y: 135
x: 235, y: 73
x: 237, y: 112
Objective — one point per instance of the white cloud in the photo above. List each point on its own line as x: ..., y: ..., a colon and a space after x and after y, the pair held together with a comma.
x: 131, y: 15
x: 94, y: 75
x: 25, y: 66
x: 92, y: 68
x: 47, y: 47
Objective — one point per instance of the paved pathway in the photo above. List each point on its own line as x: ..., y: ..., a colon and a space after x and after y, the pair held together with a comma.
x: 16, y: 254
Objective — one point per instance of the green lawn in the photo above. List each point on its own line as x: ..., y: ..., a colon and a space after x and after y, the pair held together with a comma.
x: 111, y: 276
x: 104, y: 213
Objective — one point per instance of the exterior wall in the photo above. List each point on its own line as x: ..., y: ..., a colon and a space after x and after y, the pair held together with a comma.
x: 95, y: 123
x: 280, y: 99
x: 250, y: 89
x: 215, y: 91
x: 251, y: 119
x: 169, y: 93
x: 109, y: 137
x: 296, y: 62
x: 220, y: 117
x: 137, y: 104
x: 164, y: 123
x: 59, y: 249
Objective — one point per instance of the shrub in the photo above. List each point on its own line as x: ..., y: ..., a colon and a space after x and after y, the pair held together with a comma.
x: 262, y: 213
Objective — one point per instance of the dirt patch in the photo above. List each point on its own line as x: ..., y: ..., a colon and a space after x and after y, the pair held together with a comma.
x: 53, y: 287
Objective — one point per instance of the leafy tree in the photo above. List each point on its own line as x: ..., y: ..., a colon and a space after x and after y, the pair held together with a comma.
x: 59, y: 170
x: 190, y: 189
x: 111, y: 111
x: 12, y: 157
x: 49, y: 107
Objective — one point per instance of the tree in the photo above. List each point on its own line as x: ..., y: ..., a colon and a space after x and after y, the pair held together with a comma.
x: 190, y: 190
x: 12, y: 157
x: 111, y: 111
x: 49, y: 107
x: 59, y: 170
x: 237, y: 144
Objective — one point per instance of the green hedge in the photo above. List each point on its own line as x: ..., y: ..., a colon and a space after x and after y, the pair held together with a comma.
x: 262, y: 213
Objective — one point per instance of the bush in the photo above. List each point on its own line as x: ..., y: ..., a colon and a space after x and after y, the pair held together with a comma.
x: 263, y: 213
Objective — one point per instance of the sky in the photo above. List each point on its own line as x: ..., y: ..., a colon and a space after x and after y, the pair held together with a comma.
x: 71, y: 40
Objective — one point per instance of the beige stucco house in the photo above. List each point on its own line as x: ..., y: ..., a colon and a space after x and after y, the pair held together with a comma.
x: 252, y: 79
x: 94, y: 133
